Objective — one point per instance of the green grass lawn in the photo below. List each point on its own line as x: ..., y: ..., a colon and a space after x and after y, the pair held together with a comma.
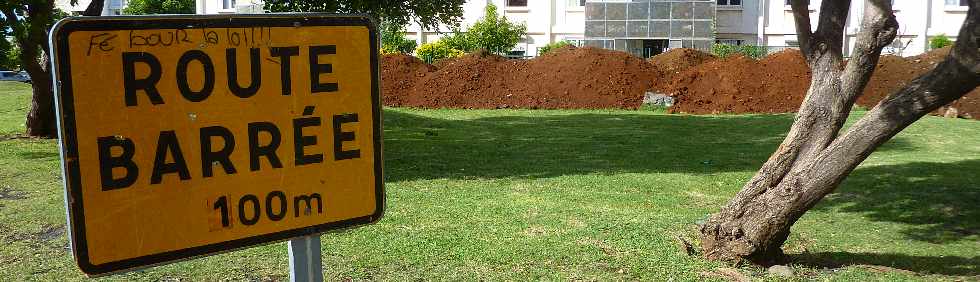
x: 566, y: 195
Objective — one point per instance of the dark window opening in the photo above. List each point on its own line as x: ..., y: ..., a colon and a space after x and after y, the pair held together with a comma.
x: 517, y: 3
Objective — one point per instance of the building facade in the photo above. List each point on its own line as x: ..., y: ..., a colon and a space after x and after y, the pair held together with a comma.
x: 111, y: 7
x: 919, y: 21
x: 547, y: 21
x: 228, y: 7
x: 648, y: 27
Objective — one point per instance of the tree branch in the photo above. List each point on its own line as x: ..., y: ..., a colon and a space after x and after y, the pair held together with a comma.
x: 94, y: 8
x: 878, y: 29
x: 956, y: 76
x: 801, y: 16
x: 41, y: 16
x: 11, y: 18
x: 830, y: 26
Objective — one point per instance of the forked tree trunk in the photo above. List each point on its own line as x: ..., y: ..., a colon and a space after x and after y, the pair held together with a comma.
x: 814, y: 158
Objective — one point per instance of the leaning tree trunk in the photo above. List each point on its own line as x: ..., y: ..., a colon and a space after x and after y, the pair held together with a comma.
x: 814, y: 159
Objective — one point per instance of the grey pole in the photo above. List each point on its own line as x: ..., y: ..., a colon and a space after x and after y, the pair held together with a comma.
x: 305, y: 259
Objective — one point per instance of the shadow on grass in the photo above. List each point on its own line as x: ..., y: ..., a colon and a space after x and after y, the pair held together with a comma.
x: 945, y: 265
x: 35, y: 155
x: 938, y: 200
x: 418, y: 147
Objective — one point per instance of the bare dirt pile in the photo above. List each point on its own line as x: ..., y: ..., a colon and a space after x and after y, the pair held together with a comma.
x: 575, y: 78
x: 398, y: 75
x: 892, y: 74
x: 568, y: 78
x: 775, y: 84
x: 675, y: 61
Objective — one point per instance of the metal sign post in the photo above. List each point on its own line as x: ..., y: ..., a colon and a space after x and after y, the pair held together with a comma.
x: 305, y: 259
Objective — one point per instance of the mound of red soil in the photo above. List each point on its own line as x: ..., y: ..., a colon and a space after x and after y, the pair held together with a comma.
x: 399, y: 73
x: 675, y: 61
x: 775, y: 84
x: 572, y: 78
x: 568, y: 78
x: 892, y: 74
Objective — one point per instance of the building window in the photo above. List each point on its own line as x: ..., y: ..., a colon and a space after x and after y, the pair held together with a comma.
x: 575, y: 3
x: 517, y: 3
x: 730, y: 2
x: 730, y: 41
x: 227, y: 4
x: 957, y: 2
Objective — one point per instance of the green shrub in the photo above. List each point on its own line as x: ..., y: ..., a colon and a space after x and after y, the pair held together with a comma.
x: 459, y: 40
x: 553, y: 46
x: 939, y: 41
x: 493, y: 33
x: 393, y: 39
x: 726, y: 50
x: 438, y: 50
x: 9, y: 53
x: 150, y: 7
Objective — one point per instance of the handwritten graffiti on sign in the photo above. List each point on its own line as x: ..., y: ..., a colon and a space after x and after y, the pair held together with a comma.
x: 186, y: 136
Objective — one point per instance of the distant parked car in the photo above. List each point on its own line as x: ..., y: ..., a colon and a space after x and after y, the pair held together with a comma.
x: 14, y: 76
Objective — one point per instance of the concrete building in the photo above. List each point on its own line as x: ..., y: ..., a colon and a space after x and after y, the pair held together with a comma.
x: 228, y: 6
x: 111, y: 7
x: 115, y: 7
x: 648, y: 27
x: 547, y: 21
x: 919, y: 20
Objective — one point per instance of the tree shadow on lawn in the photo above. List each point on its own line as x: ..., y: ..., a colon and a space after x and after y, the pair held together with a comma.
x: 418, y: 147
x: 555, y: 144
x: 939, y: 201
x: 36, y: 155
x: 945, y: 265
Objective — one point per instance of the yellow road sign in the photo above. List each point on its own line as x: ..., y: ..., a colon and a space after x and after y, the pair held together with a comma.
x: 188, y: 135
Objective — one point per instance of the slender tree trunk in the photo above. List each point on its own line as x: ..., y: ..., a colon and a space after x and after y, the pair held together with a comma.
x: 813, y: 159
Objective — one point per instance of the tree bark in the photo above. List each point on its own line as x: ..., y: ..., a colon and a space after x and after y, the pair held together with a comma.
x: 32, y: 38
x: 94, y: 8
x: 41, y: 120
x: 813, y: 159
